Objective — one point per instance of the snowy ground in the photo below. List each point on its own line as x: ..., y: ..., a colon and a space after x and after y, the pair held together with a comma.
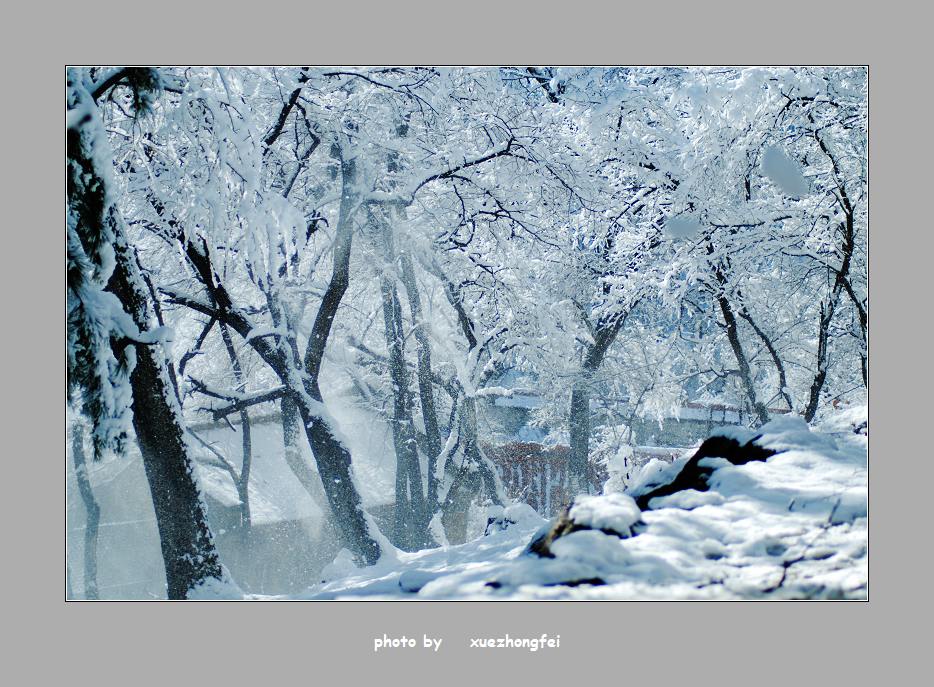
x: 793, y: 526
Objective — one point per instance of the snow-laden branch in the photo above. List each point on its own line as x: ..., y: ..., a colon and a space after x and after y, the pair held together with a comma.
x: 407, y: 196
x: 238, y: 401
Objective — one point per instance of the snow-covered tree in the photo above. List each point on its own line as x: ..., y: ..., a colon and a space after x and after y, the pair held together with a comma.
x: 631, y: 239
x: 110, y: 320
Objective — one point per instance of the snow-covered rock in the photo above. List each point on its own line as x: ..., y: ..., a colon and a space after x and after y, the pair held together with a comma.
x: 614, y: 515
x: 500, y: 518
x: 790, y: 522
x: 724, y: 447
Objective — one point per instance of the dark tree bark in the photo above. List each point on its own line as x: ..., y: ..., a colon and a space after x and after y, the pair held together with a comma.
x: 291, y: 421
x: 287, y: 107
x: 420, y: 508
x: 863, y: 318
x: 544, y: 80
x: 476, y: 474
x: 718, y: 290
x: 187, y: 546
x: 579, y: 430
x: 604, y: 334
x: 745, y: 372
x: 476, y: 459
x: 579, y: 472
x: 840, y: 283
x: 197, y: 348
x: 411, y: 514
x: 332, y: 456
x: 467, y: 482
x: 165, y: 439
x: 823, y: 333
x: 243, y: 481
x: 411, y: 523
x: 307, y: 477
x: 291, y: 431
x: 425, y: 376
x: 773, y: 352
x: 456, y: 510
x: 92, y: 509
x: 157, y: 310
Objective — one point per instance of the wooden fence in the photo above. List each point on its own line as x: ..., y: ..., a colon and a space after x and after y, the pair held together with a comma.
x: 538, y: 475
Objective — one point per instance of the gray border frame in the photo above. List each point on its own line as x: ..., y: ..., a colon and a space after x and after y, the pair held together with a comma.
x: 271, y: 643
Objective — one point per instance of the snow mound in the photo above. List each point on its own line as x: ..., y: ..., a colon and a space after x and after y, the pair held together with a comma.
x: 342, y: 565
x: 789, y: 525
x: 654, y: 474
x: 847, y: 420
x: 615, y: 512
x: 412, y: 581
x: 500, y: 518
x: 214, y: 589
x: 742, y: 435
x: 689, y: 499
x: 792, y: 432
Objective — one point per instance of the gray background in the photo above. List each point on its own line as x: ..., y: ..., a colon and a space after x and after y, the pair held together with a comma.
x: 51, y: 642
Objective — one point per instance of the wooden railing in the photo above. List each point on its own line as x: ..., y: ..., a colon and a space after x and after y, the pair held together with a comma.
x: 538, y: 475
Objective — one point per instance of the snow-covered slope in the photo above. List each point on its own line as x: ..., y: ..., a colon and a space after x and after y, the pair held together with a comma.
x: 791, y: 526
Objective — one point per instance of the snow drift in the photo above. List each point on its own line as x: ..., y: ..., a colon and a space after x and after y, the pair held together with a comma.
x: 788, y: 523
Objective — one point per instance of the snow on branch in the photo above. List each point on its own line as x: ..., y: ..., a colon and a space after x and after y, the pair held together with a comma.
x: 238, y: 401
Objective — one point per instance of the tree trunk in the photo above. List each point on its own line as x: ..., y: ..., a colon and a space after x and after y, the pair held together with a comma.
x: 467, y: 481
x: 579, y: 472
x: 187, y: 545
x: 343, y: 498
x: 732, y: 334
x: 827, y: 311
x: 476, y: 471
x: 579, y: 430
x: 776, y: 359
x: 411, y: 524
x: 243, y: 483
x: 823, y: 335
x: 332, y: 457
x: 490, y: 482
x: 456, y: 511
x: 425, y: 390
x: 91, y: 508
x: 841, y: 282
x: 745, y: 373
x: 308, y: 478
x: 411, y: 516
x: 476, y: 475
